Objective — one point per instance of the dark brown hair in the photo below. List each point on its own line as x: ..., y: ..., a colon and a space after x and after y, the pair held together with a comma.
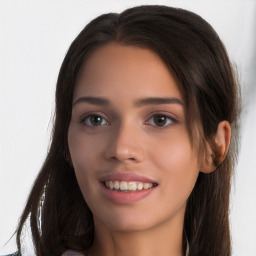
x: 191, y: 49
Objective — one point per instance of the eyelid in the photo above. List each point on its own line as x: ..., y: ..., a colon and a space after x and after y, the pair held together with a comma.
x: 89, y: 114
x: 167, y: 115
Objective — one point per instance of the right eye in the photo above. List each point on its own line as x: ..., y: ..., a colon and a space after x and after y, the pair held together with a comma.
x: 94, y: 120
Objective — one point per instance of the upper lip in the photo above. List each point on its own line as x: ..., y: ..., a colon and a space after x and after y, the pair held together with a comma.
x: 127, y: 176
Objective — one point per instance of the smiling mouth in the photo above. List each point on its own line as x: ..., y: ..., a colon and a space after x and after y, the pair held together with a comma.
x: 128, y: 186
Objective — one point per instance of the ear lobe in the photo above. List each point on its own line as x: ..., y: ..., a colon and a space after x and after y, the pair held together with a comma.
x: 207, y: 164
x: 217, y: 149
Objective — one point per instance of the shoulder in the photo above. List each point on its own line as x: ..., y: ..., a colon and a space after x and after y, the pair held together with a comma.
x: 71, y: 253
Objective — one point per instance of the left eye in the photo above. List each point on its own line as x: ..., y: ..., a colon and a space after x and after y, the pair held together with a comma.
x: 160, y: 120
x: 95, y: 120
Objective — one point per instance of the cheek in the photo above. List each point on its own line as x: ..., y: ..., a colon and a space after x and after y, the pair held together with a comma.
x: 174, y: 152
x: 85, y: 150
x: 177, y: 164
x: 85, y: 154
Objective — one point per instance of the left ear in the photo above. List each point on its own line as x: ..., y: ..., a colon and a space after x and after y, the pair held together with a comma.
x: 217, y: 149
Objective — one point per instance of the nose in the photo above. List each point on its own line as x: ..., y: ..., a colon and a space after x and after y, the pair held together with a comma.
x: 125, y: 145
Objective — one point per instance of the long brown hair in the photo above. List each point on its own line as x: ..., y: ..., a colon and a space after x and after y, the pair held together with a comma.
x: 191, y: 49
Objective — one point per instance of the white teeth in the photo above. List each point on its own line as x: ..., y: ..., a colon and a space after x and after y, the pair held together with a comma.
x: 127, y: 186
x: 132, y: 186
x: 123, y: 185
x: 140, y: 186
x: 116, y: 185
x: 110, y: 184
x: 146, y: 185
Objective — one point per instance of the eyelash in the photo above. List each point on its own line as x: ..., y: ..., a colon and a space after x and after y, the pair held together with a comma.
x: 171, y: 120
x: 87, y: 117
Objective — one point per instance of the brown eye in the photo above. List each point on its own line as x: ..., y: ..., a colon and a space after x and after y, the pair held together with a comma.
x: 160, y: 120
x: 95, y: 120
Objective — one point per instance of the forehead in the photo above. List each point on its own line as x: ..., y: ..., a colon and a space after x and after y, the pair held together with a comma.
x: 125, y: 71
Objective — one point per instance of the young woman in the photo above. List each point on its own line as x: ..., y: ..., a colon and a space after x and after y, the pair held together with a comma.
x: 141, y: 155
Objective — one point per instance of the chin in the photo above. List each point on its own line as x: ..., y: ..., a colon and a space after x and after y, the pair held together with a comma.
x: 128, y: 222
x: 128, y: 227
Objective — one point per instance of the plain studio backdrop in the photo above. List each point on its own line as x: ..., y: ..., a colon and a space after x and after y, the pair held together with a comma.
x: 34, y: 37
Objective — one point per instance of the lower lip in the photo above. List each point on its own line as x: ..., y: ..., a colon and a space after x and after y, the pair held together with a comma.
x: 126, y: 197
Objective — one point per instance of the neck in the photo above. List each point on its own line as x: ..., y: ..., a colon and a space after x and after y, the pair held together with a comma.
x: 165, y: 239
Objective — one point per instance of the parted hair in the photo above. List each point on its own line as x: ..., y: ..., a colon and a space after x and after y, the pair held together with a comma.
x: 58, y: 215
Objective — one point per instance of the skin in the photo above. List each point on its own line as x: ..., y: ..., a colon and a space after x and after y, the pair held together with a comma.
x: 128, y: 139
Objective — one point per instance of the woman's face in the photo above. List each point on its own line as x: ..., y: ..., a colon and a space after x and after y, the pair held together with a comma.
x: 128, y: 140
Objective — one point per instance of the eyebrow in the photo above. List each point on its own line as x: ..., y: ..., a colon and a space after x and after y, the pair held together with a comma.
x: 92, y: 100
x: 99, y: 101
x: 157, y: 101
